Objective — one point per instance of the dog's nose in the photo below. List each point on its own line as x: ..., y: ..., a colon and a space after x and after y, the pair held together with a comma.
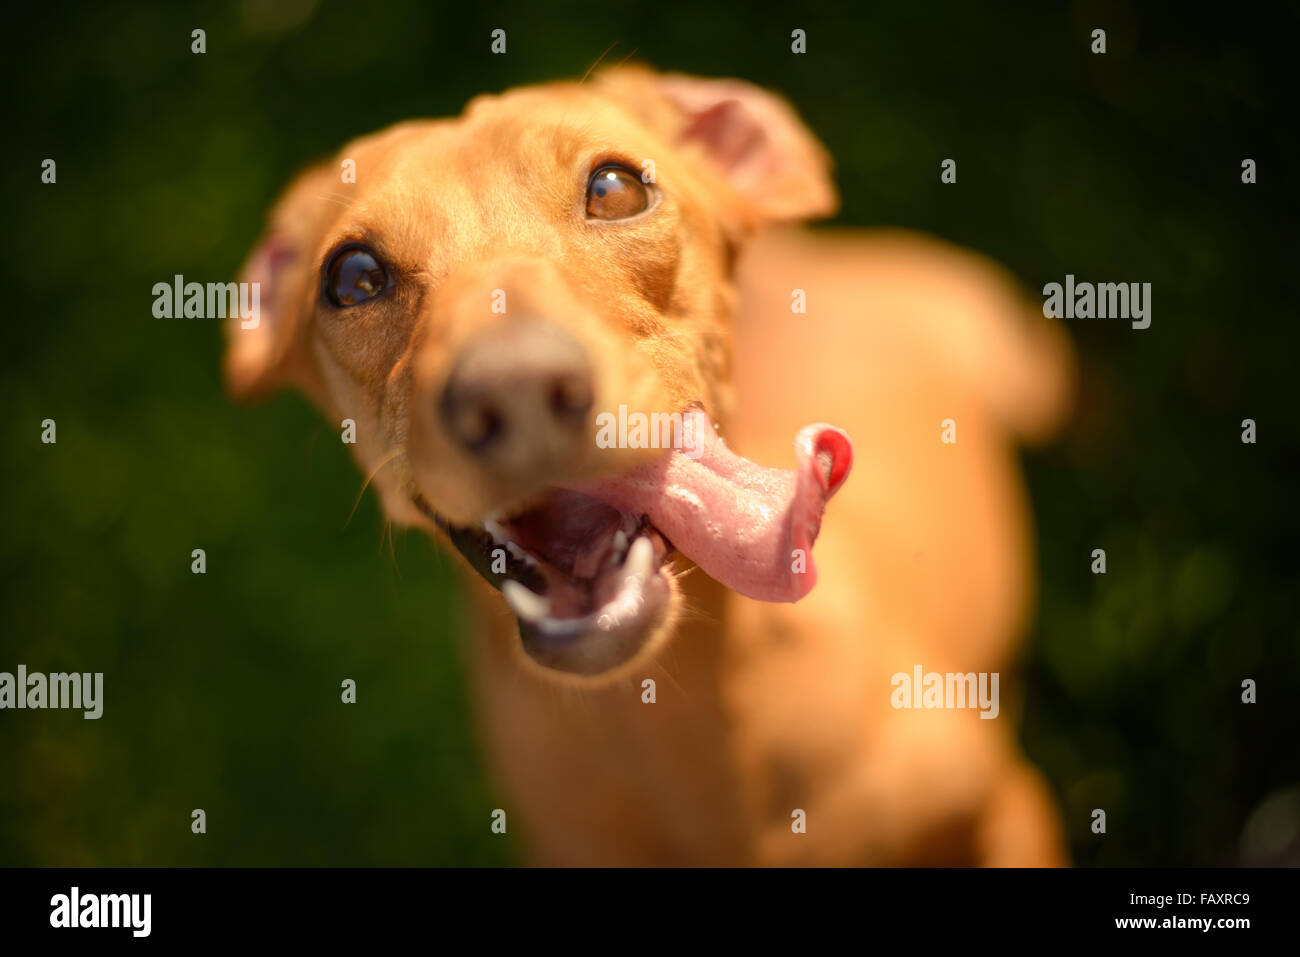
x: 519, y: 397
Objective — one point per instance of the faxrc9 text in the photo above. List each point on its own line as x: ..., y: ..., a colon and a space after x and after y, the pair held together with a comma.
x: 1183, y: 899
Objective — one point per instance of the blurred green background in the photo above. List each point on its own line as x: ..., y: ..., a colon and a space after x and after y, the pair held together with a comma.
x: 222, y: 691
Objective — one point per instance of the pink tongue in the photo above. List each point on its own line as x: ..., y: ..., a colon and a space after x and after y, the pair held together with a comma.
x: 750, y: 527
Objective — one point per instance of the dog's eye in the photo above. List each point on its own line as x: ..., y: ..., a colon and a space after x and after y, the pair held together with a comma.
x: 353, y: 276
x: 616, y: 193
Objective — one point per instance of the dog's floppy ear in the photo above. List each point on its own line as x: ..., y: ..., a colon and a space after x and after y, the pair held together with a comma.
x: 754, y: 138
x: 264, y: 352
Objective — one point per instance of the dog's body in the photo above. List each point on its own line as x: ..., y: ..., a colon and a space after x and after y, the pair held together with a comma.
x: 705, y: 727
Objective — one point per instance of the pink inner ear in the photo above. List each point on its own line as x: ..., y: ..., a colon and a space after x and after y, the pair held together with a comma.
x: 757, y: 142
x: 729, y: 133
x: 267, y: 266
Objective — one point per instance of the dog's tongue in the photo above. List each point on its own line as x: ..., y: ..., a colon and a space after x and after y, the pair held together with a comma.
x: 750, y: 527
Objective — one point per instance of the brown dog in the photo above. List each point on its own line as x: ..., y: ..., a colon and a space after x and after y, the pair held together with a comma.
x: 492, y: 288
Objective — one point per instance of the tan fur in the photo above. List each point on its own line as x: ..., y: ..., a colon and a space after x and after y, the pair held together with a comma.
x: 925, y: 555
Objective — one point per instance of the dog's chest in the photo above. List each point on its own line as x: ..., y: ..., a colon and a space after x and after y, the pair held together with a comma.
x: 639, y: 772
x: 710, y: 757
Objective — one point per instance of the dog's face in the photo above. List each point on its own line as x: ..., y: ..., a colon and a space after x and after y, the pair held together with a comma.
x: 474, y: 293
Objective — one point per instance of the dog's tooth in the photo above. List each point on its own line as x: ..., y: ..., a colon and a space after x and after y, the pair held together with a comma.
x: 519, y: 555
x: 497, y: 531
x: 619, y: 551
x: 526, y: 604
x: 640, y: 558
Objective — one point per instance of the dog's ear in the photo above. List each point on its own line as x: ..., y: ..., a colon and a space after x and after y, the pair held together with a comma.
x: 265, y: 352
x: 754, y: 138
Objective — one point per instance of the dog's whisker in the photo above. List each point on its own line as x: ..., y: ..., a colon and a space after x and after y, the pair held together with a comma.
x: 366, y: 484
x: 689, y: 612
x: 668, y: 672
x: 591, y: 68
x: 387, y: 537
x: 338, y: 198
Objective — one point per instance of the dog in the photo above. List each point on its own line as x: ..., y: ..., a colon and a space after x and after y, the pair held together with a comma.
x: 663, y: 675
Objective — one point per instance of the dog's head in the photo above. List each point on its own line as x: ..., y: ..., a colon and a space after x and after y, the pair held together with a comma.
x: 497, y: 299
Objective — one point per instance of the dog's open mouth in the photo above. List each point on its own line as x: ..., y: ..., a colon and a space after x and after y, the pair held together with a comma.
x: 588, y: 583
x: 584, y: 568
